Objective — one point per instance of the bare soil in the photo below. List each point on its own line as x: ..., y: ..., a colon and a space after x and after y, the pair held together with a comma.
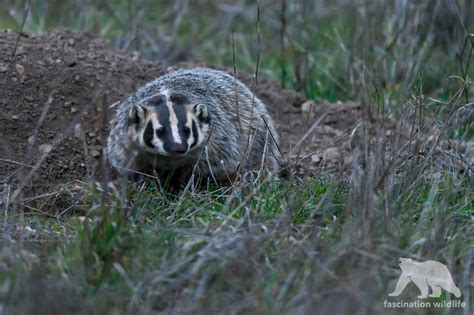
x: 55, y: 96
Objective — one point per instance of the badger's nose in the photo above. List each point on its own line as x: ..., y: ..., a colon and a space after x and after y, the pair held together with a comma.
x: 178, y: 148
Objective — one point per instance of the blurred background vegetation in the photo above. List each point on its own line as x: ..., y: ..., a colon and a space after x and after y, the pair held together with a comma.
x: 326, y: 48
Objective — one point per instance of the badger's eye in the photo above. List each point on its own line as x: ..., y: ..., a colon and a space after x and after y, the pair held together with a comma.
x: 186, y: 130
x: 160, y: 132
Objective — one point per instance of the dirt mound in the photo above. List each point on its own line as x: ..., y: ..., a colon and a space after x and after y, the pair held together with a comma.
x: 55, y: 99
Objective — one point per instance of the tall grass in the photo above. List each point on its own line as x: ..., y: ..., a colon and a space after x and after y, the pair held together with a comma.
x: 325, y: 245
x: 320, y: 47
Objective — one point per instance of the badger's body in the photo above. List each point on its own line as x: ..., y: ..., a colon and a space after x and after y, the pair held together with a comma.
x: 199, y: 120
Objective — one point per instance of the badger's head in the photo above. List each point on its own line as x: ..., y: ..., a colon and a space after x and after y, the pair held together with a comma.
x: 168, y: 125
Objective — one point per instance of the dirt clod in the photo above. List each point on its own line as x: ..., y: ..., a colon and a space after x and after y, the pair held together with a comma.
x: 20, y: 69
x: 45, y: 148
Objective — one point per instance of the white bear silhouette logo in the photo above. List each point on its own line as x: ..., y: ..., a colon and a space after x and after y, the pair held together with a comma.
x: 423, y: 274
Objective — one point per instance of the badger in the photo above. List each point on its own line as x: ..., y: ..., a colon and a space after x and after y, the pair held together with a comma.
x: 198, y: 121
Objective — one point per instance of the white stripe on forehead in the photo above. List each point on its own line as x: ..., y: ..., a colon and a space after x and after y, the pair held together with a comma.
x: 189, y: 124
x: 173, y: 118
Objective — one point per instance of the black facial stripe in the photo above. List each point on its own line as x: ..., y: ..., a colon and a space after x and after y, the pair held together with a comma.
x: 180, y: 112
x: 157, y: 100
x: 161, y: 133
x: 181, y: 115
x: 164, y: 117
x: 168, y: 141
x: 148, y: 135
x: 136, y: 118
x: 177, y: 99
x: 195, y: 134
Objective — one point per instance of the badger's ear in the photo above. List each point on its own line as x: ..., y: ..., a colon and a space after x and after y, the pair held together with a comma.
x: 201, y: 112
x: 136, y: 115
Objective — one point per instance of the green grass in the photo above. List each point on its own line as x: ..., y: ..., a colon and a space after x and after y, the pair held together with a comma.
x: 136, y: 256
x: 327, y: 50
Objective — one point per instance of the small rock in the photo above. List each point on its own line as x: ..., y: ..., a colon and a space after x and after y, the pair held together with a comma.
x: 77, y: 130
x: 74, y: 110
x: 95, y: 153
x: 28, y: 229
x: 332, y: 131
x: 77, y: 78
x: 332, y: 155
x: 71, y: 62
x: 20, y: 69
x: 20, y: 50
x: 45, y: 148
x: 348, y: 160
x: 315, y: 159
x: 135, y: 55
x: 3, y: 67
x: 29, y: 98
x: 308, y: 109
x: 15, y: 117
x: 31, y: 140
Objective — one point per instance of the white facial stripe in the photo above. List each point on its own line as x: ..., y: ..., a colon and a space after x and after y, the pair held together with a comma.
x: 154, y: 120
x: 189, y: 124
x: 173, y: 121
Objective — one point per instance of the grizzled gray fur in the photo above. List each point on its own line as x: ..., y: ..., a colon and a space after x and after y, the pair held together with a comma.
x: 231, y: 122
